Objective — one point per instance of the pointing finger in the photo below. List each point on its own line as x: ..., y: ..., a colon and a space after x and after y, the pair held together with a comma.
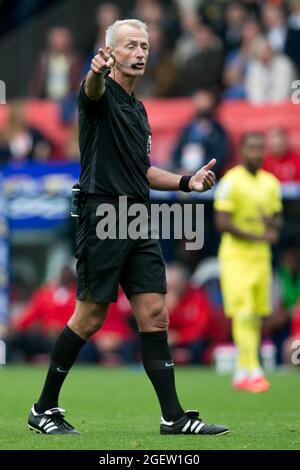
x: 103, y: 54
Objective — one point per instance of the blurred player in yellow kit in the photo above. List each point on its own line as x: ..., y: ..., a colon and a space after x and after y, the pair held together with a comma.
x: 248, y: 215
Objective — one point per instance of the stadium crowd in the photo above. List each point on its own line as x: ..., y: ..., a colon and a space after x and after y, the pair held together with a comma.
x: 210, y: 51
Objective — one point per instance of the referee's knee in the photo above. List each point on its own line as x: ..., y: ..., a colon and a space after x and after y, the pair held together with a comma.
x: 88, y: 318
x: 155, y: 319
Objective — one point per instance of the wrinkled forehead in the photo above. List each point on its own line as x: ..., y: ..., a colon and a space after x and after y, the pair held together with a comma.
x: 127, y: 33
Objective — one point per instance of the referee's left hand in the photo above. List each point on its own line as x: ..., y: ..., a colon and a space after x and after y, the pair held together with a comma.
x: 204, y: 179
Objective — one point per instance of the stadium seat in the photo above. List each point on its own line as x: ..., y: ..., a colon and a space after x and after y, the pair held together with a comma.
x: 168, y: 116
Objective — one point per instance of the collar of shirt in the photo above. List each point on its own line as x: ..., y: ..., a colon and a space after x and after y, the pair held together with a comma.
x: 120, y: 91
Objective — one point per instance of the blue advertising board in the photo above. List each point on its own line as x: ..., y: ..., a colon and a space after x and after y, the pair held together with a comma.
x: 38, y: 195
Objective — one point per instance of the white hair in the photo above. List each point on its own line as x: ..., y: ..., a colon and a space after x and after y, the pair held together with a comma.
x: 111, y: 32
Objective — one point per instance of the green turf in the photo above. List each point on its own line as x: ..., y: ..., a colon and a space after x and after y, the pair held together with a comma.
x: 117, y: 409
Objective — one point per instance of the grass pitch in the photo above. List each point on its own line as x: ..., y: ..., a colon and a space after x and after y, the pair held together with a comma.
x: 117, y: 409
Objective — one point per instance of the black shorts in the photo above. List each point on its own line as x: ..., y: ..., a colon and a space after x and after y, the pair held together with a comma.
x: 102, y: 265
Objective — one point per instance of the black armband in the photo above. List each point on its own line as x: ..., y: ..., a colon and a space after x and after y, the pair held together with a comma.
x: 184, y: 184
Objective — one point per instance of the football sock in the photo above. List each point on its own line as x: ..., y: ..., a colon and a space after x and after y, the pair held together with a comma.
x: 256, y: 373
x: 240, y: 374
x: 159, y: 367
x: 63, y: 355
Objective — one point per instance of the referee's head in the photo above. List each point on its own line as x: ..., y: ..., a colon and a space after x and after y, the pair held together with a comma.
x: 128, y: 41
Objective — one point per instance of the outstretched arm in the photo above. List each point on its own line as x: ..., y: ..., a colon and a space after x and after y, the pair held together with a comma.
x: 163, y: 180
x: 94, y: 86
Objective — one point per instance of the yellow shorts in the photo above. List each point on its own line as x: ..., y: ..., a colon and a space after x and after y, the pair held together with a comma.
x: 246, y: 287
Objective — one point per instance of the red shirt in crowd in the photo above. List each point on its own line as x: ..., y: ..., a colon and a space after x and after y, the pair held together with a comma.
x: 49, y: 309
x: 286, y: 168
x: 296, y: 321
x: 191, y: 317
x: 117, y: 319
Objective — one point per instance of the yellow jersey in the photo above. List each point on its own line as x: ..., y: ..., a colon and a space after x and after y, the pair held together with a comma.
x: 247, y: 197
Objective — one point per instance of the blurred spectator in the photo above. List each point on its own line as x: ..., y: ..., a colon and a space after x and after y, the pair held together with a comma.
x: 289, y: 276
x: 203, y: 69
x: 36, y: 329
x: 20, y: 142
x: 293, y: 33
x: 150, y: 11
x: 237, y: 62
x: 158, y: 12
x: 159, y: 73
x: 280, y: 160
x: 71, y: 150
x: 33, y: 332
x: 202, y: 139
x: 253, y: 6
x: 292, y: 344
x: 207, y: 277
x: 269, y: 75
x: 274, y: 21
x: 58, y: 71
x: 190, y: 312
x: 235, y: 16
x: 296, y: 322
x: 279, y: 323
x: 186, y: 46
x: 107, y: 13
x: 212, y: 12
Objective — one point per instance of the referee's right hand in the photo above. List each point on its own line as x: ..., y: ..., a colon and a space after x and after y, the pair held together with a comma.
x: 101, y: 62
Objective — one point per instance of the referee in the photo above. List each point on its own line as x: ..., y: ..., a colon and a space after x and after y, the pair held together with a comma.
x: 115, y: 144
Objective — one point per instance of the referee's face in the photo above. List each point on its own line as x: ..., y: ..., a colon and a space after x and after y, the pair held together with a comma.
x: 131, y: 51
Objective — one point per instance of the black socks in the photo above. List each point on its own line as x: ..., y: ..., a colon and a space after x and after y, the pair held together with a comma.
x: 63, y: 355
x: 159, y: 367
x: 157, y: 362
